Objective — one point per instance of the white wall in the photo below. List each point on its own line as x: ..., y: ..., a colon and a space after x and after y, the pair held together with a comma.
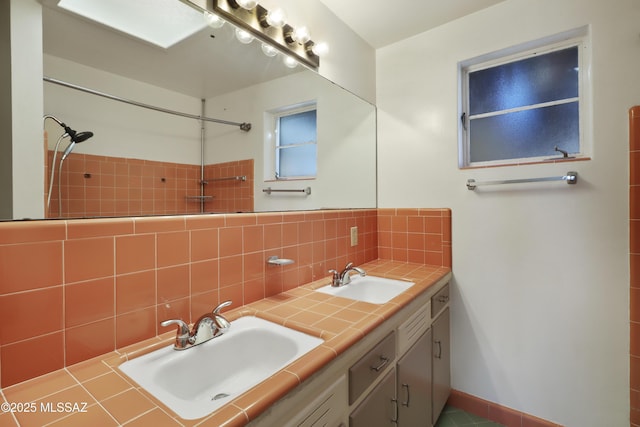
x: 346, y: 142
x: 120, y: 129
x: 541, y: 275
x: 350, y: 61
x: 26, y: 105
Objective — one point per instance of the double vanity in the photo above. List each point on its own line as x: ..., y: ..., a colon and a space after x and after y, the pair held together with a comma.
x: 396, y: 374
x: 374, y: 352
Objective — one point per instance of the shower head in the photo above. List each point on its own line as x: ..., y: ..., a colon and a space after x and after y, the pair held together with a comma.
x: 81, y: 136
x: 76, y: 138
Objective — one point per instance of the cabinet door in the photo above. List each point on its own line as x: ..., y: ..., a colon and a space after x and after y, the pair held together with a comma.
x: 379, y: 409
x: 414, y: 384
x: 329, y: 409
x: 441, y: 363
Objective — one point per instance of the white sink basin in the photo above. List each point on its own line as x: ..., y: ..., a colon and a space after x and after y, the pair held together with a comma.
x: 197, y: 381
x: 376, y: 290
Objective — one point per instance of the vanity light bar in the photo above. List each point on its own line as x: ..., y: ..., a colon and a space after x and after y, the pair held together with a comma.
x: 253, y: 21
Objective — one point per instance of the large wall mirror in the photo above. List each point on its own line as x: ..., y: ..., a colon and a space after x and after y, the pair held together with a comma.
x: 141, y: 161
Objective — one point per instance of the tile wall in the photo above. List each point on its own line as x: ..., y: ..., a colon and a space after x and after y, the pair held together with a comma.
x: 115, y: 186
x: 634, y: 262
x: 415, y: 235
x: 74, y: 289
x: 229, y: 195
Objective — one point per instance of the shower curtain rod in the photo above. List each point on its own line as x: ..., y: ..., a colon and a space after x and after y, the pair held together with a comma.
x: 243, y: 126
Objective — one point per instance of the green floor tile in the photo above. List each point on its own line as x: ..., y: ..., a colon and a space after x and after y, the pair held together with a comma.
x: 461, y: 418
x: 478, y: 419
x: 445, y: 422
x: 454, y: 417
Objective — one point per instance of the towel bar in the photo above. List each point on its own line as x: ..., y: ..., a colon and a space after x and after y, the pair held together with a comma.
x: 570, y: 177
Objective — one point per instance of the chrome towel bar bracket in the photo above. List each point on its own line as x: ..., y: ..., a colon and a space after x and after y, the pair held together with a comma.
x: 570, y: 178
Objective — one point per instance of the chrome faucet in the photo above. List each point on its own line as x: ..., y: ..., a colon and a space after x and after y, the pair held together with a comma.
x: 344, y: 277
x: 208, y: 326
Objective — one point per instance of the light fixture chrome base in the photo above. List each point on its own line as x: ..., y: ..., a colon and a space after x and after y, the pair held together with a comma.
x: 253, y: 21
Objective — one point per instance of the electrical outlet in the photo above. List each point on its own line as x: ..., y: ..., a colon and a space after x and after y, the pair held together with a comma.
x: 354, y: 236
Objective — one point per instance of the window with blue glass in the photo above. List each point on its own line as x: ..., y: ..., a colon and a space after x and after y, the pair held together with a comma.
x: 296, y: 154
x: 524, y: 108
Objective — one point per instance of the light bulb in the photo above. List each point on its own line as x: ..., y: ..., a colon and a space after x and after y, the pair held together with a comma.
x: 276, y: 18
x: 247, y: 4
x: 290, y: 62
x: 301, y: 35
x: 243, y: 36
x: 320, y: 49
x: 213, y: 20
x: 269, y: 50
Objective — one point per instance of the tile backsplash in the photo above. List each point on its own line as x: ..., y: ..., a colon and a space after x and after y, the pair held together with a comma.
x: 71, y: 290
x: 422, y: 236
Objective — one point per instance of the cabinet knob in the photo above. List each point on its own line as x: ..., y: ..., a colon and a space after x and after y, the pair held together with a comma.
x: 443, y: 298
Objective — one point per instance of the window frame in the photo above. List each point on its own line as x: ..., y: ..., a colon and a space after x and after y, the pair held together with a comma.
x: 576, y: 38
x: 273, y: 147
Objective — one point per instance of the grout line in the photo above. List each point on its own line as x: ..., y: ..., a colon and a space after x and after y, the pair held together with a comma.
x: 138, y: 416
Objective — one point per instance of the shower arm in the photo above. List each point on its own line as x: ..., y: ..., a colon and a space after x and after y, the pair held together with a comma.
x: 49, y: 116
x: 67, y: 129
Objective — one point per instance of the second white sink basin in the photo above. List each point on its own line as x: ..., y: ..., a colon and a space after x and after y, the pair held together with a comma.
x: 376, y: 290
x: 197, y: 381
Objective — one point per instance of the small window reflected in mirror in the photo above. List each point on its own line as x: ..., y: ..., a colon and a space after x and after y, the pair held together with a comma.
x: 295, y: 142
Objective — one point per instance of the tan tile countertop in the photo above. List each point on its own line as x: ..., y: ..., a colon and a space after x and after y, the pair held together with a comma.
x: 96, y: 393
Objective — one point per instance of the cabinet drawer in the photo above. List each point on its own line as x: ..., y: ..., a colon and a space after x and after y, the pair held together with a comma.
x: 366, y: 370
x: 439, y: 300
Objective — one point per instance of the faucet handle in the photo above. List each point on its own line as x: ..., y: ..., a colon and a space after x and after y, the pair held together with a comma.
x: 221, y: 323
x: 221, y: 306
x: 183, y: 333
x: 183, y: 328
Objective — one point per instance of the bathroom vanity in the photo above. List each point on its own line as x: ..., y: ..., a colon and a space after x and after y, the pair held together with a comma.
x: 378, y: 364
